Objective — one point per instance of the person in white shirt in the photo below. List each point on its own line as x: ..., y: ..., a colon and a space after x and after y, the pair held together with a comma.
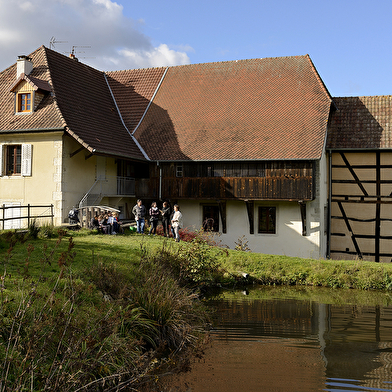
x: 177, y: 222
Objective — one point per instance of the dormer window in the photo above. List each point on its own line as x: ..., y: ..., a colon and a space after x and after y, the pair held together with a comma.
x: 29, y: 92
x: 24, y: 102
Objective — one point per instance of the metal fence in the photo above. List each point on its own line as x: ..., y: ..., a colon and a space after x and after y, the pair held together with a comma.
x: 20, y: 217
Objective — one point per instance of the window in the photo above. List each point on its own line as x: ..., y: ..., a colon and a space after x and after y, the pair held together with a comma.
x: 179, y: 171
x: 267, y: 220
x: 211, y: 218
x: 24, y: 102
x: 15, y: 159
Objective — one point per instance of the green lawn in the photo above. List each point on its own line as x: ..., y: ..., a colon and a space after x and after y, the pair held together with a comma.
x: 99, y: 310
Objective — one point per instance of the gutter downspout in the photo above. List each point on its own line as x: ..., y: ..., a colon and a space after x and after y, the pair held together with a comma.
x: 329, y: 204
x: 160, y: 181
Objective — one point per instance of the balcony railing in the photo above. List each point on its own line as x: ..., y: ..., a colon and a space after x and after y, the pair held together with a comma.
x: 110, y: 186
x: 228, y: 188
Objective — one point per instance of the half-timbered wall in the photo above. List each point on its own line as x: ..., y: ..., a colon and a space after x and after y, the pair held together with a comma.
x: 361, y: 205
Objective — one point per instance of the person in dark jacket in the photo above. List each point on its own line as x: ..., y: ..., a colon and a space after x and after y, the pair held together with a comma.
x: 140, y: 213
x: 166, y: 212
x: 154, y: 216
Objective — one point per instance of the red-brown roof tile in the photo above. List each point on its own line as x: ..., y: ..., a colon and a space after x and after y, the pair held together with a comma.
x: 133, y: 91
x: 361, y: 123
x: 85, y: 101
x: 36, y: 84
x: 81, y: 103
x: 274, y: 108
x: 45, y: 117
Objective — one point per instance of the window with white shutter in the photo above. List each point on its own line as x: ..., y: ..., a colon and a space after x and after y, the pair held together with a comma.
x: 15, y: 159
x: 26, y: 159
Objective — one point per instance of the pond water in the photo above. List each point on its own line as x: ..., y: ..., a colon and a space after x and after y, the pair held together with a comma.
x: 294, y: 339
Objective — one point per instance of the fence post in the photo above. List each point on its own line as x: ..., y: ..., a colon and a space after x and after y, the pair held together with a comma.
x: 3, y: 215
x: 52, y: 212
x: 28, y: 215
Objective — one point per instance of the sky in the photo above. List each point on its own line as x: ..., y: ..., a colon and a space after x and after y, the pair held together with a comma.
x: 349, y: 41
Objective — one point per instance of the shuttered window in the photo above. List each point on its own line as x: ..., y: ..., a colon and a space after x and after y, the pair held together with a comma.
x: 15, y: 160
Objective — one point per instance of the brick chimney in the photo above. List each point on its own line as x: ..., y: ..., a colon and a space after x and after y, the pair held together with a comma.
x: 23, y: 65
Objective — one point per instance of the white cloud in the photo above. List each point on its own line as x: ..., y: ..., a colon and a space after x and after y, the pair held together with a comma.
x: 160, y: 56
x: 114, y: 40
x: 26, y: 6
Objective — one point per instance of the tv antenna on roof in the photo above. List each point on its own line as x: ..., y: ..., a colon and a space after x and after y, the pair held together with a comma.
x: 72, y: 54
x: 53, y: 41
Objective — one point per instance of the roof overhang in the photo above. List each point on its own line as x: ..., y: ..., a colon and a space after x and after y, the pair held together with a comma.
x: 36, y: 84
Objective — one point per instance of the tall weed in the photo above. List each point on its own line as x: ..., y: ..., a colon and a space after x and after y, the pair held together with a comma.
x: 51, y: 338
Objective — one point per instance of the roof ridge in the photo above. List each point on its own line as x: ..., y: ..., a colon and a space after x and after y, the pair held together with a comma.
x: 135, y: 69
x: 208, y: 63
x: 366, y: 96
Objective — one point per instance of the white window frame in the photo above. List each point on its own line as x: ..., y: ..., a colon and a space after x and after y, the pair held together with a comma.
x: 26, y: 163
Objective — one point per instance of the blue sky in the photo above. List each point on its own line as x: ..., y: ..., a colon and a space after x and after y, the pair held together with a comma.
x: 348, y: 40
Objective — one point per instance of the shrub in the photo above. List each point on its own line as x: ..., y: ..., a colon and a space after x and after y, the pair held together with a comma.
x: 48, y: 230
x: 242, y: 244
x: 33, y: 229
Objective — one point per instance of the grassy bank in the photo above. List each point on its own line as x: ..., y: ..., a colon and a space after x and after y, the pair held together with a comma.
x: 282, y: 270
x: 82, y: 311
x: 91, y: 312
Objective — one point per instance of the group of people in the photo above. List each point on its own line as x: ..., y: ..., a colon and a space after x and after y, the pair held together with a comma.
x: 172, y: 219
x: 106, y: 224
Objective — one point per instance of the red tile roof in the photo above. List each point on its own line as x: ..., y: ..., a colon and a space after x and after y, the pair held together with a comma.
x: 46, y: 116
x: 81, y: 103
x: 274, y: 108
x: 133, y: 91
x: 36, y: 84
x: 260, y: 109
x: 89, y: 111
x: 361, y: 122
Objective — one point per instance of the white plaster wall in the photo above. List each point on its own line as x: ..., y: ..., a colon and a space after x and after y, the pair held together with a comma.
x: 288, y: 239
x: 78, y: 175
x: 43, y: 187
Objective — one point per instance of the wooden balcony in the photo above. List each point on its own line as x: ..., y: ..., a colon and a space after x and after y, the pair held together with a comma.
x: 228, y: 188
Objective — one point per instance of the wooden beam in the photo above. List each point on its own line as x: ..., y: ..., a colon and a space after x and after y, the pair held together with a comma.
x: 222, y: 212
x: 357, y: 180
x: 250, y: 204
x: 353, y: 238
x: 76, y: 151
x: 378, y: 208
x: 302, y: 206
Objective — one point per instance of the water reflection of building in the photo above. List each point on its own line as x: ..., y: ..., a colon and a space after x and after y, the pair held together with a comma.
x: 354, y: 342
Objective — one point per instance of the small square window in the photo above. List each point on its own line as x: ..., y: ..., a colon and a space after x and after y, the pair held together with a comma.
x: 24, y: 102
x: 179, y: 171
x: 267, y: 220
